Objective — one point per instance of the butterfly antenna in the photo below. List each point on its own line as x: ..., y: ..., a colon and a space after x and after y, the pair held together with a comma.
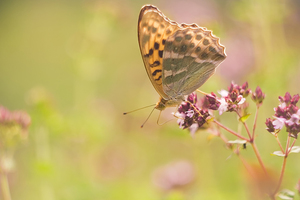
x: 202, y: 92
x: 147, y: 118
x: 125, y: 113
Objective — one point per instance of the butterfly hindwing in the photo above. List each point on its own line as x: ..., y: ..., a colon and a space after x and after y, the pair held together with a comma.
x: 191, y: 56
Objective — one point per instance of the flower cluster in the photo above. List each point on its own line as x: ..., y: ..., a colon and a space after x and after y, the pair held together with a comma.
x: 14, y: 118
x: 286, y: 114
x: 193, y: 117
x: 230, y: 101
x: 258, y: 96
x: 190, y: 115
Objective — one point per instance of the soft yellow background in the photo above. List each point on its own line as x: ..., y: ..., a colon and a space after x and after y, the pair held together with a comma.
x: 75, y: 67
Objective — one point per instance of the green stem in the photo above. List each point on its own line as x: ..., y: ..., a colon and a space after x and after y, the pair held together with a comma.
x: 4, y: 186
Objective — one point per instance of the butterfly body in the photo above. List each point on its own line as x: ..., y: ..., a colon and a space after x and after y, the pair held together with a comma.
x: 178, y: 58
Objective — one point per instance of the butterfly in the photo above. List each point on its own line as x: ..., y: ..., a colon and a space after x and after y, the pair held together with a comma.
x: 178, y: 58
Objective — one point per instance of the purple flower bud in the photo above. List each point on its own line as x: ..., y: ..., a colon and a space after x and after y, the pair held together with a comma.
x: 280, y: 111
x: 244, y: 90
x: 192, y: 98
x: 233, y: 95
x: 270, y: 126
x: 292, y: 109
x: 295, y: 99
x: 211, y: 102
x: 294, y: 129
x: 286, y: 99
x: 258, y: 96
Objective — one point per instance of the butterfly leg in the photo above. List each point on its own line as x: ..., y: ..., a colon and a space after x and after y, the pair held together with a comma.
x: 174, y: 114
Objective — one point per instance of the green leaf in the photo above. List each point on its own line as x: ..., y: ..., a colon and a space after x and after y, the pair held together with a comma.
x: 244, y: 118
x: 237, y: 142
x: 295, y: 149
x: 286, y: 194
x: 210, y: 119
x: 278, y: 153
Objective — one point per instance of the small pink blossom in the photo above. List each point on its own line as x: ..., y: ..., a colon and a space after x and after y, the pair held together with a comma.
x: 223, y: 107
x: 223, y: 93
x: 279, y: 123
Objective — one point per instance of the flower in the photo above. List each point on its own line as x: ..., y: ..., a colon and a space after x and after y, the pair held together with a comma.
x: 279, y: 123
x: 232, y: 99
x: 175, y: 175
x: 211, y: 102
x: 258, y: 96
x: 286, y: 114
x: 223, y: 106
x: 270, y: 125
x: 190, y: 115
x: 16, y: 117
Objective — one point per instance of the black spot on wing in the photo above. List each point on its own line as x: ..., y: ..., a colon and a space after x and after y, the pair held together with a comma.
x: 205, y: 42
x: 188, y: 36
x: 156, y: 71
x: 198, y: 37
x: 157, y: 79
x: 160, y: 53
x: 155, y: 64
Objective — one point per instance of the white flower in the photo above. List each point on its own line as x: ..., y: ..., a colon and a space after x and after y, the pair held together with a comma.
x: 223, y: 93
x: 242, y: 99
x: 282, y: 105
x: 180, y: 120
x: 279, y: 122
x: 293, y: 120
x: 223, y: 107
x: 193, y: 128
x: 190, y: 113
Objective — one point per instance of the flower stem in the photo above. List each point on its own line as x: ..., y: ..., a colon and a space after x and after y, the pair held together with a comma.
x: 283, y: 166
x: 246, y: 127
x: 279, y: 143
x: 259, y: 158
x: 231, y: 131
x: 4, y: 186
x: 255, y: 120
x: 292, y: 145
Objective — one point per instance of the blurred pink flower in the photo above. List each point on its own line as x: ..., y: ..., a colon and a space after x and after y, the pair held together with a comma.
x: 174, y: 175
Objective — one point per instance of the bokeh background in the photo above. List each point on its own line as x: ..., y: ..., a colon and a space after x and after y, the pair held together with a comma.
x: 75, y: 67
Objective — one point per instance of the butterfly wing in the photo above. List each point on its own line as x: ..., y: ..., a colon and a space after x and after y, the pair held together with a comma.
x: 191, y: 56
x: 153, y: 30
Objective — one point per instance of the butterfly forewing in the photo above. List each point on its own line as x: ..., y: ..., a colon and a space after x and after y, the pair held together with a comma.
x: 153, y: 31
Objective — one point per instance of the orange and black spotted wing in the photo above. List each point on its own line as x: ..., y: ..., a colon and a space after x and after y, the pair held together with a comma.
x: 153, y: 30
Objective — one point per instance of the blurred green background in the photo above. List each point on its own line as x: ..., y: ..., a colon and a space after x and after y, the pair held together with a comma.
x: 75, y: 67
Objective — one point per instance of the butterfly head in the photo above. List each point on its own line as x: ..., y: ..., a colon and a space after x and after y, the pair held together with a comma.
x: 164, y: 103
